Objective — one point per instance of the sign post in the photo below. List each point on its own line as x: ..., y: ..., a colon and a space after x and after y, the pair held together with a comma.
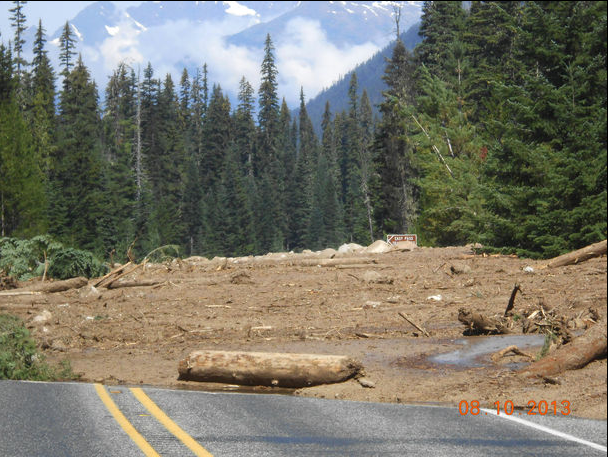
x: 395, y: 239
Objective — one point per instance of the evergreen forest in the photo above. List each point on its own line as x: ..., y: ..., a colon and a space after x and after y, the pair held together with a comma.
x: 493, y: 130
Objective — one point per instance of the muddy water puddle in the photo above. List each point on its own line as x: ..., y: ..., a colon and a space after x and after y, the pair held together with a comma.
x: 476, y: 349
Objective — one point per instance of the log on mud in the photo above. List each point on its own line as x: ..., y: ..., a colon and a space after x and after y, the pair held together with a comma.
x: 477, y: 324
x: 60, y: 286
x: 579, y: 256
x: 577, y: 354
x: 120, y: 284
x: 334, y: 262
x: 267, y: 369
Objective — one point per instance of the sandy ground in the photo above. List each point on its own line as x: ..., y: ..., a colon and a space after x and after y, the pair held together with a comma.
x: 296, y: 303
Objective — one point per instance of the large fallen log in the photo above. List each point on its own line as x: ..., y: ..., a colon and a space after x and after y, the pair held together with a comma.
x: 119, y: 284
x: 577, y: 354
x: 60, y: 286
x: 267, y: 369
x: 579, y: 256
x: 333, y: 262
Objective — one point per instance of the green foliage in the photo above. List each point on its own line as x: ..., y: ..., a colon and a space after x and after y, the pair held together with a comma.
x: 547, y: 342
x: 70, y: 263
x: 24, y: 259
x: 19, y: 359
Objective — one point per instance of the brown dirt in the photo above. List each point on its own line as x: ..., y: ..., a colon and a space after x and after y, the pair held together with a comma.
x: 286, y: 303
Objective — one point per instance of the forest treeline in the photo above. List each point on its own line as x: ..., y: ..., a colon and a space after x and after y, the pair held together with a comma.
x: 493, y: 130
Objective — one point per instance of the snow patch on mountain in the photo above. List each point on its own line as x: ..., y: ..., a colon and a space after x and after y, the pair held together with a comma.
x: 78, y: 34
x: 112, y: 30
x: 237, y: 9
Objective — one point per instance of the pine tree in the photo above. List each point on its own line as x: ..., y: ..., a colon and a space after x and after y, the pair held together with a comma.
x: 67, y: 52
x: 22, y: 198
x: 441, y: 24
x: 269, y: 109
x: 356, y: 220
x: 18, y: 23
x: 245, y: 129
x: 394, y: 192
x: 120, y: 185
x: 43, y: 102
x: 78, y: 204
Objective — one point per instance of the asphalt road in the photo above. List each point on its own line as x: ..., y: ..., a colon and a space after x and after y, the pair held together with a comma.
x: 73, y: 419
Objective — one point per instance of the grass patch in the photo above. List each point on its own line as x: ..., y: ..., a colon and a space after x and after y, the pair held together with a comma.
x: 19, y: 358
x: 547, y: 342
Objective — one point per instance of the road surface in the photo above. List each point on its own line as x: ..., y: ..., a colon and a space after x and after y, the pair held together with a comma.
x: 75, y: 419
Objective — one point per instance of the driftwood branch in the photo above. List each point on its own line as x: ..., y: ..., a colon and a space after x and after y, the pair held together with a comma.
x: 577, y: 354
x: 15, y: 293
x: 123, y: 274
x: 507, y: 350
x: 414, y: 324
x: 579, y: 256
x: 478, y: 324
x: 112, y: 273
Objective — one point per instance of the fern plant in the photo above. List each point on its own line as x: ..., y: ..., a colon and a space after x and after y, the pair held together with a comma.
x: 25, y: 259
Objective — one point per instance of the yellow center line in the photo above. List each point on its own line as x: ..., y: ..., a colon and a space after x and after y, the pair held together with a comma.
x: 170, y: 425
x: 124, y: 423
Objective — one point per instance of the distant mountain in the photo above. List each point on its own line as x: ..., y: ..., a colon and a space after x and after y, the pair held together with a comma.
x: 344, y: 23
x: 315, y: 41
x: 369, y: 76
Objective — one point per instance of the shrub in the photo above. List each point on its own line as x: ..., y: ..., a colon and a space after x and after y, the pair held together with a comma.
x: 19, y: 358
x: 25, y: 259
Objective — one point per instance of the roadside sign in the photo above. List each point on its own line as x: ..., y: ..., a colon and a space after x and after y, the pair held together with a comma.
x: 395, y: 239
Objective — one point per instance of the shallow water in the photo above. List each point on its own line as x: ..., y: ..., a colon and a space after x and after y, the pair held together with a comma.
x: 476, y: 347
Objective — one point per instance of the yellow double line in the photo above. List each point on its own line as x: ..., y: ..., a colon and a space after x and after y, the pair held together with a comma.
x: 154, y: 410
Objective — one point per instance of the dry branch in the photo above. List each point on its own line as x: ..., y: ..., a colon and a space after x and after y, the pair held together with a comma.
x: 14, y: 293
x: 513, y: 349
x: 414, y: 324
x: 123, y: 274
x: 267, y: 369
x: 112, y: 273
x: 577, y: 354
x: 510, y: 305
x: 579, y: 256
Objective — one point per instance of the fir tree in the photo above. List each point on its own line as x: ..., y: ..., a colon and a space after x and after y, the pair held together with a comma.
x: 269, y: 108
x: 67, y: 52
x: 43, y: 101
x: 77, y: 165
x: 18, y: 23
x: 394, y: 193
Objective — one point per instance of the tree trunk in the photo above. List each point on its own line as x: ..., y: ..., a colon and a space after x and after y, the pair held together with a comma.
x: 267, y: 369
x: 581, y: 255
x: 60, y: 286
x: 577, y: 354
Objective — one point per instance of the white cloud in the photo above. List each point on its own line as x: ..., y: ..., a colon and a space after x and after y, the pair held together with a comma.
x: 305, y: 57
x: 122, y: 46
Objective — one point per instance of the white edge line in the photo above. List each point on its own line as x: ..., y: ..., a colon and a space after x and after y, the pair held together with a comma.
x: 545, y: 429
